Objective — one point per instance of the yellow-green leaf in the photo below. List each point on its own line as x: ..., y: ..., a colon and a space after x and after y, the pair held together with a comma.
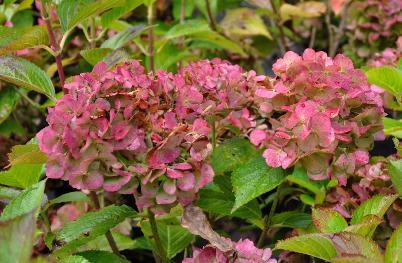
x: 315, y: 245
x: 26, y: 154
x: 307, y: 9
x: 243, y: 22
x: 377, y: 205
x: 19, y: 39
x: 328, y: 220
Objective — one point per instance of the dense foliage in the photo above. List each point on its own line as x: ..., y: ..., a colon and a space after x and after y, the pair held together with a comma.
x: 195, y: 131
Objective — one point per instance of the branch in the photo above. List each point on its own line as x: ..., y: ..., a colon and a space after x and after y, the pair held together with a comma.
x: 312, y: 37
x: 329, y: 28
x: 92, y: 33
x: 340, y: 30
x: 151, y: 36
x: 277, y: 22
x: 182, y: 11
x: 212, y: 23
x: 268, y: 218
x: 54, y: 45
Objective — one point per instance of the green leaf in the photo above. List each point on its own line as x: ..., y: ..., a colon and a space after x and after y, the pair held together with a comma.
x: 17, y: 238
x: 9, y: 98
x: 8, y: 193
x: 377, y: 205
x: 117, y: 56
x: 99, y: 256
x: 117, y: 12
x: 69, y: 197
x: 393, y: 252
x: 90, y: 226
x: 10, y: 126
x: 25, y: 202
x: 123, y: 242
x: 18, y: 39
x: 26, y: 154
x: 253, y: 179
x: 354, y: 244
x: 94, y: 55
x: 25, y: 74
x: 366, y: 227
x: 122, y: 38
x: 187, y: 28
x: 73, y: 12
x: 226, y: 157
x: 392, y: 127
x: 21, y: 175
x: 220, y: 41
x: 164, y: 60
x: 395, y: 172
x: 174, y: 237
x: 292, y: 219
x: 219, y: 199
x: 307, y: 199
x: 300, y: 177
x: 387, y: 78
x: 74, y: 259
x: 328, y: 220
x: 243, y: 22
x: 316, y: 245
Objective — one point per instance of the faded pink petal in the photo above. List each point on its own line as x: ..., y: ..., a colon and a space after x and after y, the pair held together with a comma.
x: 187, y: 182
x: 257, y: 136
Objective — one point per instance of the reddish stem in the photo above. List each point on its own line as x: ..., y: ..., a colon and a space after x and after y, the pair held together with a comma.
x: 54, y: 45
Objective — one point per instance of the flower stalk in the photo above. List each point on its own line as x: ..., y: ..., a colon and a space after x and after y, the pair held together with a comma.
x: 155, y: 235
x: 109, y: 236
x: 211, y: 18
x: 151, y: 17
x: 268, y: 218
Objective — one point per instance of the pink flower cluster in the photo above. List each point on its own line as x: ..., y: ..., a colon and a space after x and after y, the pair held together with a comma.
x: 373, y: 25
x: 99, y: 125
x: 319, y: 111
x: 390, y: 56
x: 120, y: 129
x: 369, y: 179
x: 245, y: 252
x: 151, y: 135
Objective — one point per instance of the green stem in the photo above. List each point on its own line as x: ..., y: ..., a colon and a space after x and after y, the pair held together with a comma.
x: 92, y: 33
x: 151, y: 36
x: 267, y: 219
x: 277, y: 22
x: 329, y: 27
x: 28, y: 99
x: 212, y: 23
x: 213, y: 134
x: 109, y: 237
x: 159, y: 248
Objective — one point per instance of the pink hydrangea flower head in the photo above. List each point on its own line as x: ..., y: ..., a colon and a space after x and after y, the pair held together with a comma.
x: 244, y: 252
x: 316, y: 105
x: 96, y: 125
x: 373, y: 27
